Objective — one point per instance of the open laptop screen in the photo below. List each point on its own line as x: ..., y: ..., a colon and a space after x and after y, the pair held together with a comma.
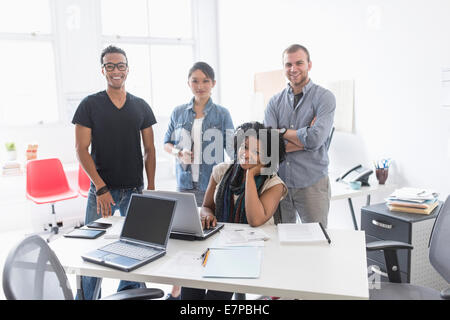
x: 148, y: 219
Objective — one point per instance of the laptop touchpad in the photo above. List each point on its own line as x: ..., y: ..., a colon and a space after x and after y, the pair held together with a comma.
x: 110, y: 257
x: 121, y: 260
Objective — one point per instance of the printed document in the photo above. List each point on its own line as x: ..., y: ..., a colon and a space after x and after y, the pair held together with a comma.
x: 301, y: 233
x: 243, y: 262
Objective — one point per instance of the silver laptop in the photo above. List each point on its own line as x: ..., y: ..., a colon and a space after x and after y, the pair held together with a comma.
x: 144, y: 235
x: 186, y: 223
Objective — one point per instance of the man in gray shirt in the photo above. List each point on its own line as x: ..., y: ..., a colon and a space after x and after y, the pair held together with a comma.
x: 303, y: 113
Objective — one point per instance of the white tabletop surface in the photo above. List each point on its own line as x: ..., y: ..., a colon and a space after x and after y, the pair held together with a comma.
x: 336, y: 271
x: 340, y: 190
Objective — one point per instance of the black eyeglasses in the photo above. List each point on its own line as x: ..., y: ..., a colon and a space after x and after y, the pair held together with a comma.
x: 111, y: 66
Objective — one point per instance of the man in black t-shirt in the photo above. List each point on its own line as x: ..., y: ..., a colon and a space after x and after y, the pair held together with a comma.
x: 112, y: 122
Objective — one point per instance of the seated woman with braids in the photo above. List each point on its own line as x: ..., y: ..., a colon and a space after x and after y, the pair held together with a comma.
x: 243, y: 191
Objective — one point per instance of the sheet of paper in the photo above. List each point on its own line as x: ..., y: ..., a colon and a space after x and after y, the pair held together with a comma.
x: 184, y: 263
x: 243, y: 235
x: 221, y: 242
x: 411, y: 194
x: 298, y: 233
x: 240, y: 237
x: 243, y: 262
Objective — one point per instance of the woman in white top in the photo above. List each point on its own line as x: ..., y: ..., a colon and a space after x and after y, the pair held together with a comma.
x: 189, y: 123
x: 184, y: 136
x: 245, y: 191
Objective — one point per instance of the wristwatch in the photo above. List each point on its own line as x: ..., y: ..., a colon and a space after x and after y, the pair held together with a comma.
x: 282, y: 131
x: 175, y: 151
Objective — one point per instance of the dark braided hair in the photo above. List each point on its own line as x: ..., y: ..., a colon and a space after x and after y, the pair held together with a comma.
x: 234, y: 174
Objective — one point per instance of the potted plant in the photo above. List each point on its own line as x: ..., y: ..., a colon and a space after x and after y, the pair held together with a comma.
x: 11, y: 151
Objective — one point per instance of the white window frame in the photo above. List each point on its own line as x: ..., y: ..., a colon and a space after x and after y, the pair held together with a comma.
x: 203, y: 12
x: 151, y: 41
x: 41, y: 37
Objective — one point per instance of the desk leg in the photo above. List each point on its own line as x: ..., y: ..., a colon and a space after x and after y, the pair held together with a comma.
x: 368, y: 200
x: 79, y: 291
x: 98, y: 286
x: 350, y: 204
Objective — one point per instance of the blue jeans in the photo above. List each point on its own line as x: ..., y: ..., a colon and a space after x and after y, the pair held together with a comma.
x: 121, y: 197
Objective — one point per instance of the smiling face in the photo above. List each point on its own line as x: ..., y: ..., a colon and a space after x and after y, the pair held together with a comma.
x: 201, y: 85
x: 249, y: 153
x: 115, y: 78
x: 296, y: 68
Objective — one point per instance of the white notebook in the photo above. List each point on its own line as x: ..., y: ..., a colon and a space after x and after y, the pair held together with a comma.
x: 302, y: 233
x: 244, y: 262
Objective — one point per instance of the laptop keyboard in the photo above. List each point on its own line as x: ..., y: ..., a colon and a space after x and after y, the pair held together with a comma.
x: 129, y: 250
x: 211, y: 229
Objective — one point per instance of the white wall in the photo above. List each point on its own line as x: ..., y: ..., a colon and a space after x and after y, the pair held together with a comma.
x: 78, y: 45
x: 394, y: 50
x: 78, y: 74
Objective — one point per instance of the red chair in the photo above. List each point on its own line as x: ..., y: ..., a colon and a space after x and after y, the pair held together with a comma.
x: 47, y: 183
x: 84, y: 183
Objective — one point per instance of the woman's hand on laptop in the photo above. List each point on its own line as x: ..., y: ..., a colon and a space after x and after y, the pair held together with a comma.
x: 208, y: 220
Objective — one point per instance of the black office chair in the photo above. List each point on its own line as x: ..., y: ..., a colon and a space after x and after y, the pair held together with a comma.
x: 33, y: 272
x: 439, y: 258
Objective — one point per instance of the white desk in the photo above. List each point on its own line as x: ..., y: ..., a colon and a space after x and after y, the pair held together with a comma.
x: 338, y: 271
x: 341, y: 191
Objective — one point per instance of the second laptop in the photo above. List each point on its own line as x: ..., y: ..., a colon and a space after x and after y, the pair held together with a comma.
x: 186, y: 223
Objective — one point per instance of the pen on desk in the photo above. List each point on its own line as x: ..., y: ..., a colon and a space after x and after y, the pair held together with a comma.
x: 325, y: 233
x: 204, y: 253
x: 206, y: 258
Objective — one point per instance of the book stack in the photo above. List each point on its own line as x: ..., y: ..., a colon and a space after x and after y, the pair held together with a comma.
x: 11, y: 168
x: 413, y: 200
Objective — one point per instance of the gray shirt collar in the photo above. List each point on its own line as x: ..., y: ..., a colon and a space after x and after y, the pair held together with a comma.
x: 305, y: 88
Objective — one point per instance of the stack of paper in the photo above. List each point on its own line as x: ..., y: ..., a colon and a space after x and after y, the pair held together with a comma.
x: 413, y: 200
x: 11, y: 168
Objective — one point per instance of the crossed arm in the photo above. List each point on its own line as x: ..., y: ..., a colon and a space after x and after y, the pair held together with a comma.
x: 294, y: 144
